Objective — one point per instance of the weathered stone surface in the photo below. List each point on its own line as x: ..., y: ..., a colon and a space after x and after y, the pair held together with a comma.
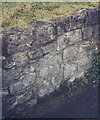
x: 93, y: 16
x: 71, y: 79
x: 76, y: 36
x: 96, y: 32
x: 69, y: 70
x: 4, y: 93
x: 84, y: 64
x: 32, y: 102
x: 20, y: 58
x: 87, y: 46
x: 35, y: 54
x: 76, y: 75
x: 61, y: 24
x: 37, y: 59
x: 80, y: 74
x: 8, y: 63
x: 82, y: 55
x: 70, y: 51
x: 77, y: 20
x: 67, y: 24
x: 48, y: 64
x: 22, y: 97
x: 10, y: 76
x: 44, y: 33
x: 49, y: 74
x: 17, y: 40
x: 29, y: 69
x: 48, y: 48
x: 24, y: 82
x: 60, y: 29
x: 87, y: 32
x: 61, y: 42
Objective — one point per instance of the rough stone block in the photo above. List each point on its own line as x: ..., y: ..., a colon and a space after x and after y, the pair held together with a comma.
x: 32, y: 102
x: 49, y: 74
x: 86, y: 46
x: 69, y: 70
x: 10, y: 76
x: 93, y: 16
x: 61, y: 25
x: 8, y: 63
x: 29, y: 68
x: 43, y: 90
x: 16, y: 41
x: 87, y: 32
x: 80, y: 74
x: 48, y: 48
x: 20, y: 58
x: 35, y: 54
x: 74, y: 36
x: 76, y: 75
x: 81, y: 55
x: 24, y: 97
x: 70, y: 51
x: 23, y: 82
x: 71, y: 79
x: 61, y: 42
x: 77, y: 20
x: 47, y: 65
x: 4, y: 93
x: 44, y: 33
x: 84, y: 64
x: 96, y: 31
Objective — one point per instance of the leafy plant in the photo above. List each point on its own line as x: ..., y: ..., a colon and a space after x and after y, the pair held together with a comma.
x: 66, y: 89
x: 93, y: 73
x: 84, y: 79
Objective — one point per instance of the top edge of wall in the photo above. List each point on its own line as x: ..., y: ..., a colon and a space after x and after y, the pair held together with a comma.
x: 49, y: 0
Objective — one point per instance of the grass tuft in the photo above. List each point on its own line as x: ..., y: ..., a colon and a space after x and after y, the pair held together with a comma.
x: 17, y: 14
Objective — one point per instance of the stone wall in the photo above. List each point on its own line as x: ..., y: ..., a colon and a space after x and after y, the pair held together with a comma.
x: 38, y: 58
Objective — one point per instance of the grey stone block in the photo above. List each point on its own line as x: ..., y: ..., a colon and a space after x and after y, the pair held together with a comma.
x: 84, y: 64
x: 87, y: 32
x: 44, y: 33
x: 70, y: 51
x: 69, y: 70
x: 32, y: 102
x: 20, y: 58
x: 48, y: 48
x: 49, y: 74
x: 86, y: 46
x: 61, y: 42
x: 35, y: 54
x: 74, y: 36
x: 10, y: 76
x: 24, y: 82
